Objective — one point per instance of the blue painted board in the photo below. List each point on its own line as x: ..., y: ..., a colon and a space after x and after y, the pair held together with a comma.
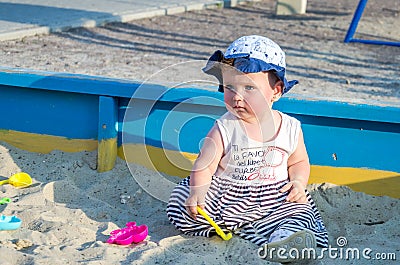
x: 336, y: 134
x: 108, y: 116
x: 77, y: 106
x: 170, y: 125
x: 55, y: 113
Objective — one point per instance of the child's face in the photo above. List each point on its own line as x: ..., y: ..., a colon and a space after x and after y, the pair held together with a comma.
x: 250, y: 96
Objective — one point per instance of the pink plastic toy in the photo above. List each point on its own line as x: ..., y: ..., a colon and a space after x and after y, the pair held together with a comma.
x: 128, y: 235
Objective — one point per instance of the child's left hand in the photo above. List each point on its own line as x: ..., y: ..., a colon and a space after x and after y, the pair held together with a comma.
x: 297, y: 192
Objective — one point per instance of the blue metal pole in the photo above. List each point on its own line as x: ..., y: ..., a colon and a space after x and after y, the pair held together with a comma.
x: 354, y: 22
x: 377, y: 42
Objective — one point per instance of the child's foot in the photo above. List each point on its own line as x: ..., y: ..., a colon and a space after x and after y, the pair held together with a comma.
x: 290, y: 248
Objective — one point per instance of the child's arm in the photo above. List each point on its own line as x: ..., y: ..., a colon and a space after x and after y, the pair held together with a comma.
x: 299, y: 172
x: 204, y: 168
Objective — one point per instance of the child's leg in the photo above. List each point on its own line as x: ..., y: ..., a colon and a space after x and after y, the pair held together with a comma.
x: 179, y: 217
x: 279, y: 225
x: 298, y: 228
x: 302, y: 216
x: 290, y: 218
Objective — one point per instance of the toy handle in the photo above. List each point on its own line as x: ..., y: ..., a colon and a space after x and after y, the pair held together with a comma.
x: 6, y: 181
x: 213, y: 224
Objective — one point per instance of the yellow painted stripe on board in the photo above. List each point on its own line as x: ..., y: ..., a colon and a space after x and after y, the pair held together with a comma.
x: 106, y: 155
x: 40, y: 143
x: 374, y: 182
x: 173, y: 163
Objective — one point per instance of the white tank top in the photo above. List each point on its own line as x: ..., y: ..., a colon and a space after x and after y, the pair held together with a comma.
x: 250, y: 162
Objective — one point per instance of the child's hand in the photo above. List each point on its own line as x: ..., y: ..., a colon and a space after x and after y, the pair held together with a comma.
x: 297, y: 192
x: 197, y: 197
x: 191, y: 205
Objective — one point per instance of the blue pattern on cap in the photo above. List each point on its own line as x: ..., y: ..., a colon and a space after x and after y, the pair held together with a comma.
x: 255, y: 53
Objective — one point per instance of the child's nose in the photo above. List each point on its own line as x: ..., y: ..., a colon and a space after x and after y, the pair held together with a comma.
x: 237, y: 96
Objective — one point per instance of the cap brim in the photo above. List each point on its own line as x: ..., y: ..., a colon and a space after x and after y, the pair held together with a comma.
x: 246, y: 65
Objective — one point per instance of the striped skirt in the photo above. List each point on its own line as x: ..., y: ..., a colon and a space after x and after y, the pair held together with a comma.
x: 251, y: 212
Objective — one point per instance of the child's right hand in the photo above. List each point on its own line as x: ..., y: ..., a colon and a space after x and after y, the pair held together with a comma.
x: 191, y: 205
x: 197, y: 197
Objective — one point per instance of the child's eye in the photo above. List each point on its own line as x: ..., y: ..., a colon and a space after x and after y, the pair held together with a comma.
x: 229, y: 87
x: 249, y: 87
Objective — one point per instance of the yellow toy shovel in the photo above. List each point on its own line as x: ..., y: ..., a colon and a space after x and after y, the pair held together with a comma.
x: 20, y: 180
x: 213, y: 224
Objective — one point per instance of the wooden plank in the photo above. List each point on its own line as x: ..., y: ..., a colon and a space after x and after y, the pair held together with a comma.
x: 45, y: 112
x: 107, y: 133
x: 339, y: 134
x: 76, y: 83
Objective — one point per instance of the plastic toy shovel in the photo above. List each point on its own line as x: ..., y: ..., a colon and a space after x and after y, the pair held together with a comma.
x: 213, y: 224
x: 19, y: 180
x: 5, y: 201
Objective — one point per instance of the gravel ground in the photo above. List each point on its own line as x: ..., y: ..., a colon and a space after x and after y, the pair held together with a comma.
x: 316, y: 54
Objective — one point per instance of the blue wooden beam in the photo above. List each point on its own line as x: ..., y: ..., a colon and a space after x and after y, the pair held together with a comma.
x: 77, y: 107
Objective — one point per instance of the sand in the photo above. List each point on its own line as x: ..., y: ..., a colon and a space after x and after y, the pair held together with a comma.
x: 70, y: 210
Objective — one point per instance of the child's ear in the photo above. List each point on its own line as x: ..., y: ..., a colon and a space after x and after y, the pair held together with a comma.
x: 278, y: 89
